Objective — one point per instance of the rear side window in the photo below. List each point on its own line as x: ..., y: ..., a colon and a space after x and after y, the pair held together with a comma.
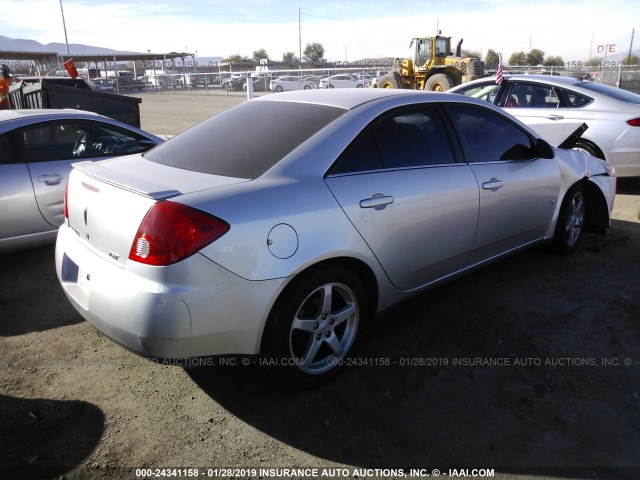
x: 575, y: 100
x: 412, y: 138
x: 245, y: 141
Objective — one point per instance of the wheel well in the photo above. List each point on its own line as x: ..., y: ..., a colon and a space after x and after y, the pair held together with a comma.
x: 361, y: 269
x: 358, y: 267
x: 597, y: 218
x: 598, y: 150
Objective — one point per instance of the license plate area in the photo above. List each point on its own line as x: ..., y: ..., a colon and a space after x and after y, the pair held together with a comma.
x: 76, y: 281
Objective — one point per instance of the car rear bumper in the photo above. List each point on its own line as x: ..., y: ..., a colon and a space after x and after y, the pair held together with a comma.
x: 190, y: 309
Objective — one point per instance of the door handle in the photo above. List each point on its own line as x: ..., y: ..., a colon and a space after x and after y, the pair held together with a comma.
x: 493, y: 184
x: 377, y: 201
x: 555, y: 117
x: 54, y: 179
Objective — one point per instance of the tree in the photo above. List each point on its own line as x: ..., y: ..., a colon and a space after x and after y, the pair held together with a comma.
x: 593, y: 62
x: 554, y: 62
x: 518, y: 58
x: 492, y: 59
x: 470, y: 53
x: 236, y: 57
x: 313, y: 52
x: 260, y: 55
x: 632, y: 60
x: 290, y: 57
x: 535, y: 57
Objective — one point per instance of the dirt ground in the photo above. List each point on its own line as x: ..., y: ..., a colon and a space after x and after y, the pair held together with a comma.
x: 529, y: 367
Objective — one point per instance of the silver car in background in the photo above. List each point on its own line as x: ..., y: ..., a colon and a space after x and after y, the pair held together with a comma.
x: 37, y: 148
x: 247, y: 236
x: 612, y: 114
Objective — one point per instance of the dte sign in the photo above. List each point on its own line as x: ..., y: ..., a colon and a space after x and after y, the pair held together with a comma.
x: 607, y: 48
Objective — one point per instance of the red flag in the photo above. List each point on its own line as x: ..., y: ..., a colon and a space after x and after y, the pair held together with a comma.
x: 499, y: 77
x: 70, y: 67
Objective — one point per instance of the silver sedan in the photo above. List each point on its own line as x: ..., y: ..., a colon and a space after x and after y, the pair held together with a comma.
x: 37, y: 148
x: 612, y: 114
x: 284, y: 239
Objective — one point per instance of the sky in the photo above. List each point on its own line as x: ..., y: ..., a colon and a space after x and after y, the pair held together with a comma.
x: 349, y: 30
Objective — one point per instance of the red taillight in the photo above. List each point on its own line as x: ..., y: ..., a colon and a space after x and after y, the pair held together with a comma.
x: 171, y: 232
x: 634, y: 122
x: 66, y: 201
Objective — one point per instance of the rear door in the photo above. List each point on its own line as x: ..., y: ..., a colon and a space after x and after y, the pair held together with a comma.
x: 20, y: 214
x: 412, y: 202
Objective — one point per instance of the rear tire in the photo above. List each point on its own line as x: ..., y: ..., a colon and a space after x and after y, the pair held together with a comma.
x: 388, y: 81
x: 314, y: 326
x: 439, y: 82
x: 571, y: 221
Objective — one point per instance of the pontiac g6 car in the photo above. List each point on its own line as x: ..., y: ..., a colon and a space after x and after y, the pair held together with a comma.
x: 245, y: 235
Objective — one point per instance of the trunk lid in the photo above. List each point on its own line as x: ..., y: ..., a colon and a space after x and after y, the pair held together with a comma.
x: 107, y: 201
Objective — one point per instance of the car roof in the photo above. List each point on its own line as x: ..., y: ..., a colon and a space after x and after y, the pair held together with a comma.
x: 549, y: 79
x: 347, y: 98
x: 7, y: 115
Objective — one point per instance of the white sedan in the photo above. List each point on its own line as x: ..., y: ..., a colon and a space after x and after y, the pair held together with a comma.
x: 612, y: 114
x: 343, y: 81
x: 285, y: 84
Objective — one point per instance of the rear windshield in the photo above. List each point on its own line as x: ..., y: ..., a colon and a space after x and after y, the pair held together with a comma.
x: 616, y: 93
x: 245, y: 141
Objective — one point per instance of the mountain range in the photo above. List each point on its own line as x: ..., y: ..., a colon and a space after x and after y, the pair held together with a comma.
x: 24, y: 45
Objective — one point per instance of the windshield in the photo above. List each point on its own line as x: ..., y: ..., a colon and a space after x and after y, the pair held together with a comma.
x: 245, y: 141
x: 612, y: 92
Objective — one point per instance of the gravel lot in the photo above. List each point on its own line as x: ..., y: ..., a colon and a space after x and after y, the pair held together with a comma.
x: 529, y: 367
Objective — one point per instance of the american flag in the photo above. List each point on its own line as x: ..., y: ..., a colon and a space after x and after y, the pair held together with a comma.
x: 499, y: 77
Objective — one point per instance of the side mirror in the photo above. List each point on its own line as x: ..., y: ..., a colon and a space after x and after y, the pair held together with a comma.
x: 543, y: 149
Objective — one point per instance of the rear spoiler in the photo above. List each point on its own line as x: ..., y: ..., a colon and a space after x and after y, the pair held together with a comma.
x: 124, y: 181
x: 571, y: 140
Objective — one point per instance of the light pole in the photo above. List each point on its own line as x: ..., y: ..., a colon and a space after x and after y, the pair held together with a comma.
x: 64, y: 25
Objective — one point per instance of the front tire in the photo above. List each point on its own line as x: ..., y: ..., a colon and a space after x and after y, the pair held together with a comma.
x: 279, y: 88
x: 571, y: 221
x: 314, y: 326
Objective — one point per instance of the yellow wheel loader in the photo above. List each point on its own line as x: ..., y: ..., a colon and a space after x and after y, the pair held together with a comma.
x: 433, y: 67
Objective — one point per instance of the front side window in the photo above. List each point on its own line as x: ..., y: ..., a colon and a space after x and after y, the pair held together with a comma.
x: 424, y: 52
x: 487, y: 91
x: 531, y: 95
x: 488, y: 137
x: 415, y: 138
